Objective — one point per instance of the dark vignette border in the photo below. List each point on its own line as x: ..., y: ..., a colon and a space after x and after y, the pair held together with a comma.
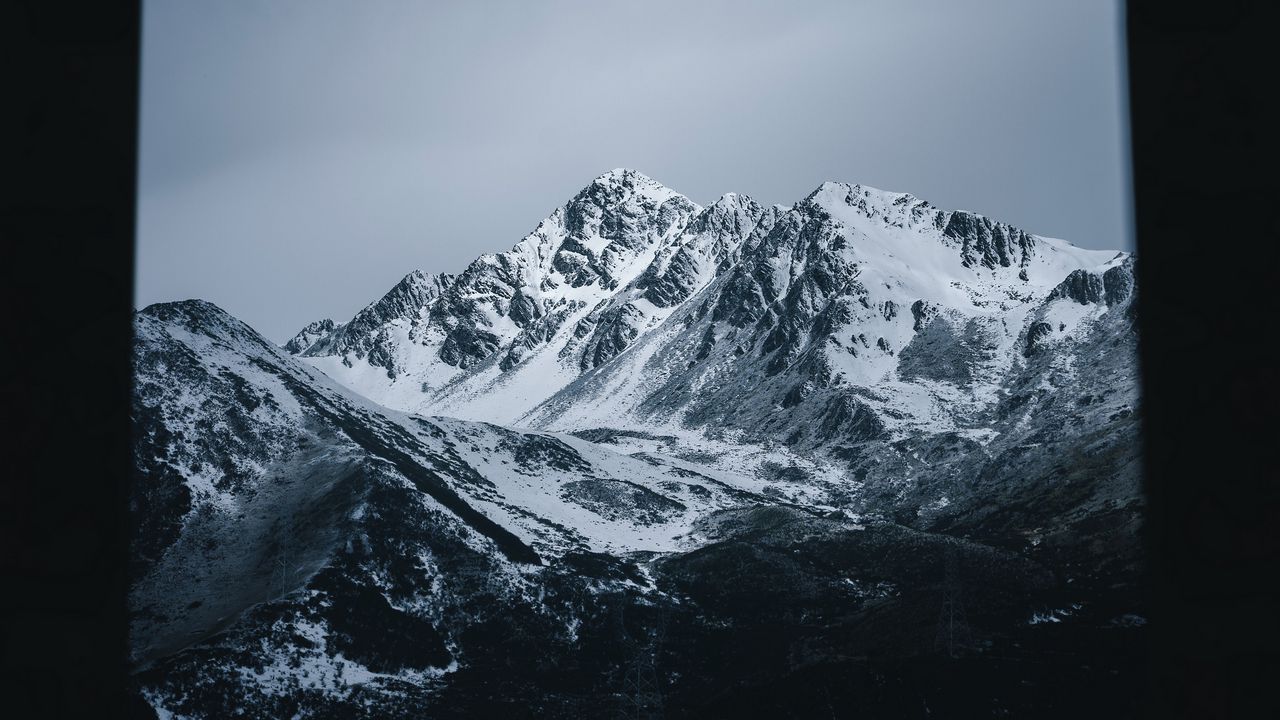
x: 70, y: 99
x: 1204, y: 164
x: 1204, y: 134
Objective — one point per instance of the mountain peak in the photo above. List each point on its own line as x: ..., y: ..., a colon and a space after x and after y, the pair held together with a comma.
x: 307, y: 336
x: 728, y: 204
x: 189, y: 312
x: 732, y: 198
x: 191, y: 306
x: 406, y: 301
x: 622, y: 173
x: 851, y: 193
x: 622, y: 177
x: 422, y: 282
x: 198, y: 316
x: 620, y: 183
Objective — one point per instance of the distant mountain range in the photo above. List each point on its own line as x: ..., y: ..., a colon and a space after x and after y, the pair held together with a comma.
x: 657, y: 459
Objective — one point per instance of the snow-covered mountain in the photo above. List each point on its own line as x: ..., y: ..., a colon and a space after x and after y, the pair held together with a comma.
x: 854, y: 311
x: 263, y: 484
x: 764, y: 429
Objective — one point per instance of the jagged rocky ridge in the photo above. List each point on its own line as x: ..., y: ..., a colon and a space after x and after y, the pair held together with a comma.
x: 763, y: 429
x: 854, y: 311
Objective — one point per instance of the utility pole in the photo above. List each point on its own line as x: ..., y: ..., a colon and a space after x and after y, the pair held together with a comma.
x: 281, y: 579
x: 642, y: 692
x: 954, y: 635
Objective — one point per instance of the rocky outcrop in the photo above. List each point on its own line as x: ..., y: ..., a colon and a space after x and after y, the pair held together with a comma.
x: 308, y: 336
x: 1035, y: 336
x: 986, y: 243
x: 1082, y: 286
x: 1118, y: 282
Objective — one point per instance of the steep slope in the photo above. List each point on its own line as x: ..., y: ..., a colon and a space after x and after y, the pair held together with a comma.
x: 827, y: 314
x: 302, y: 552
x: 317, y: 534
x: 452, y: 351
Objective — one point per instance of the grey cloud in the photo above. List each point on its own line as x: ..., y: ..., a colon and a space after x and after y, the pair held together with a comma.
x: 300, y: 157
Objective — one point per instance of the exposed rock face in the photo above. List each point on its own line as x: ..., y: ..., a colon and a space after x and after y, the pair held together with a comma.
x: 1117, y: 283
x: 1039, y: 331
x: 308, y: 336
x: 921, y: 312
x: 986, y: 243
x: 1082, y: 286
x: 369, y: 336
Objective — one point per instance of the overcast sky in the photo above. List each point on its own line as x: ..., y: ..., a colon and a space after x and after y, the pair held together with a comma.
x: 299, y: 157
